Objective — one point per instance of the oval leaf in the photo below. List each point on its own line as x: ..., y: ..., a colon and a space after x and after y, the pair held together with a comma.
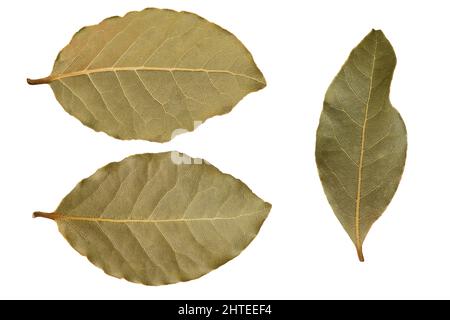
x: 152, y: 74
x: 159, y: 218
x: 361, y: 139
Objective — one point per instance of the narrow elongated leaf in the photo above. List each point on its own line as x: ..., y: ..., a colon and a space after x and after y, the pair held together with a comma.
x: 150, y: 220
x: 361, y: 139
x: 149, y: 73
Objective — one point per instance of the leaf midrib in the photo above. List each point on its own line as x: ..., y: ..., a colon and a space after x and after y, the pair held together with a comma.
x: 61, y: 217
x: 143, y: 68
x: 361, y: 158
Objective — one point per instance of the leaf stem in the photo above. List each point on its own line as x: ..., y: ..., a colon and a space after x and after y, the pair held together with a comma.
x: 360, y: 253
x: 51, y: 216
x: 45, y: 80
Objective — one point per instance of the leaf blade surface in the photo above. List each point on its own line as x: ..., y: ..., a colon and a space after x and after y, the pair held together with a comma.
x: 154, y: 222
x: 361, y: 139
x: 150, y: 73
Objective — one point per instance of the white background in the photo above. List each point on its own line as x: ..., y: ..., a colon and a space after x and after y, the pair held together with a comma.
x: 267, y: 141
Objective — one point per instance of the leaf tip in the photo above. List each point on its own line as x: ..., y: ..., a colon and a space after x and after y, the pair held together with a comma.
x: 377, y: 32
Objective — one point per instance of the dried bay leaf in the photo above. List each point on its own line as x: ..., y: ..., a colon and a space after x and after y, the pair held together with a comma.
x: 361, y: 139
x: 152, y: 221
x: 149, y: 73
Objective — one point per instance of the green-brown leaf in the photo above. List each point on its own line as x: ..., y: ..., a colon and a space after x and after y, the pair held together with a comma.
x: 152, y: 221
x: 361, y: 139
x: 149, y: 73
